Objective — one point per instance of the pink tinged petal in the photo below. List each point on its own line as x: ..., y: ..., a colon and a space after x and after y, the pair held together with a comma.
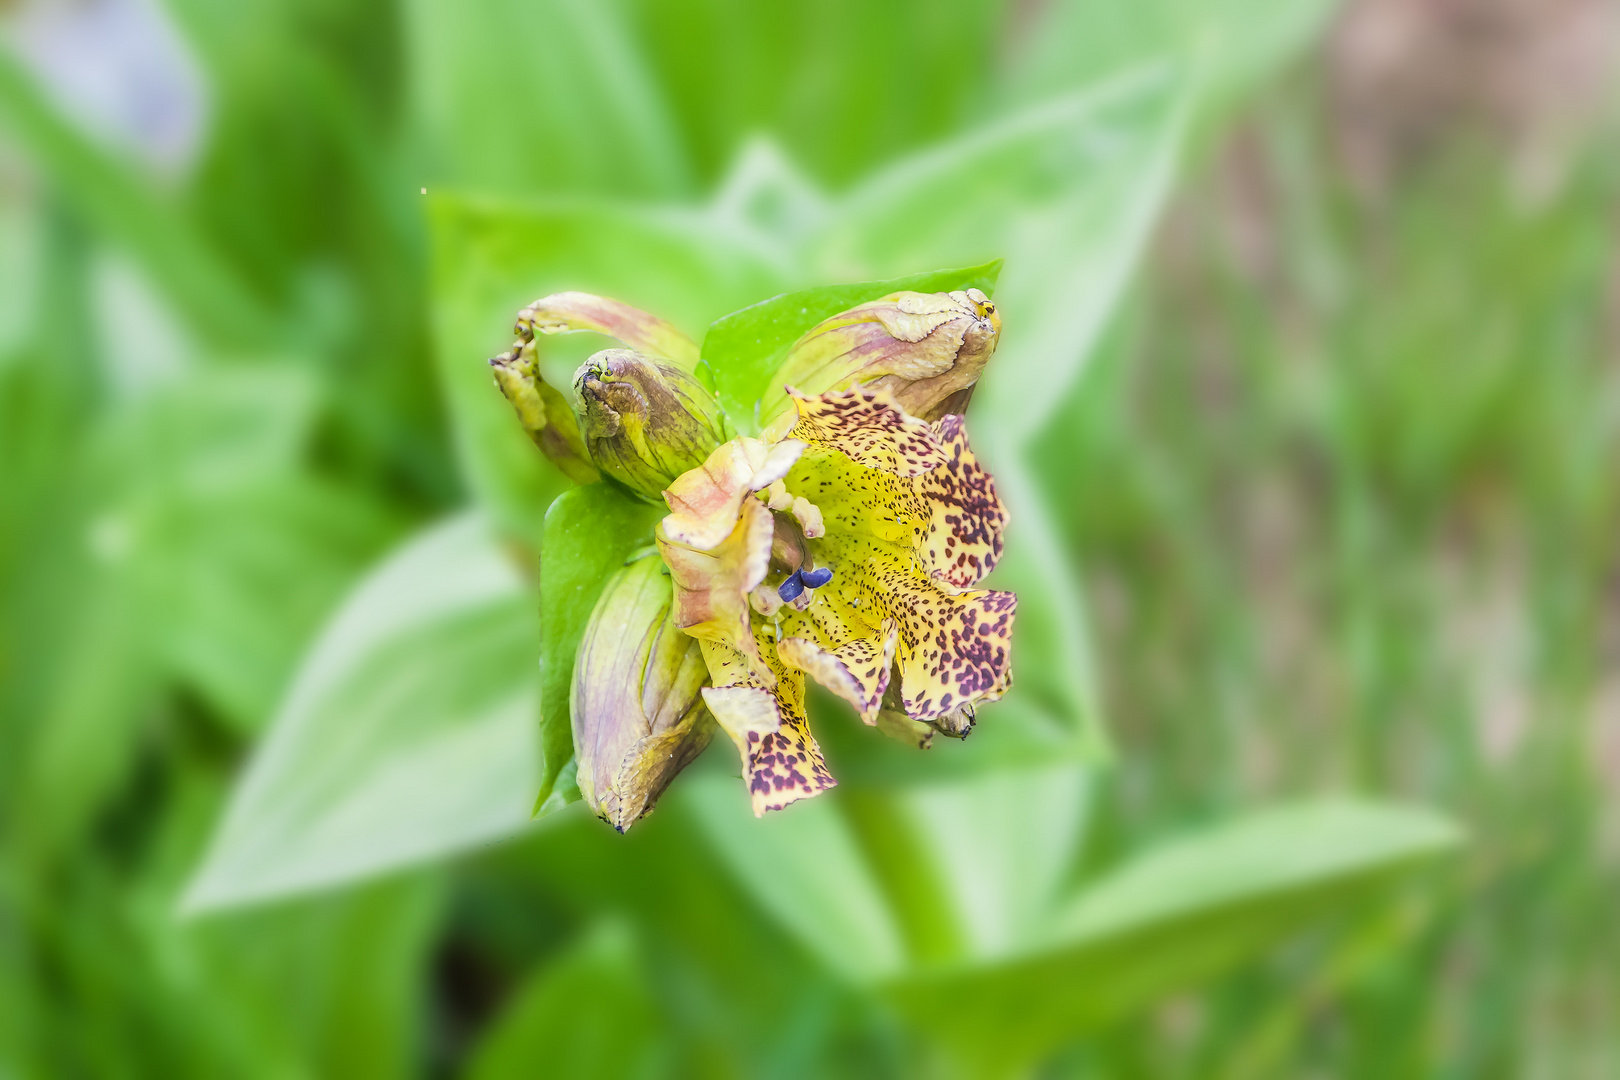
x: 570, y: 312
x: 870, y: 429
x: 705, y: 502
x: 712, y: 587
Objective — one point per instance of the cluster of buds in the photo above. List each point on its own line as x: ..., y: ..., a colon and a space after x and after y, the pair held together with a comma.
x: 845, y: 544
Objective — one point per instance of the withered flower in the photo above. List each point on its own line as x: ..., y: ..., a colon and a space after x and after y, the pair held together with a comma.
x: 927, y: 349
x: 645, y: 422
x: 846, y: 544
x: 638, y: 716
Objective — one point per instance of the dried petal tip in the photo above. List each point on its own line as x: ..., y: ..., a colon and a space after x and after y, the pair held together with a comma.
x: 927, y: 349
x: 543, y: 411
x: 638, y: 712
x: 645, y: 422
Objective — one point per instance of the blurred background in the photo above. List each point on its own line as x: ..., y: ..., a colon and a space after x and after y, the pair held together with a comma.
x: 1308, y: 409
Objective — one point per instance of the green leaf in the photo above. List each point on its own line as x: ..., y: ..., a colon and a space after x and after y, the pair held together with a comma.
x: 585, y: 1013
x: 233, y: 550
x: 408, y: 731
x: 844, y: 87
x: 1171, y: 917
x: 1231, y: 44
x: 744, y: 349
x: 1054, y: 693
x: 878, y: 879
x: 517, y: 96
x: 806, y: 868
x: 1065, y: 191
x: 590, y: 533
x: 125, y: 207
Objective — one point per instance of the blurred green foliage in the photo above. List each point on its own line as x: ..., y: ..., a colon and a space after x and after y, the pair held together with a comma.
x: 268, y: 547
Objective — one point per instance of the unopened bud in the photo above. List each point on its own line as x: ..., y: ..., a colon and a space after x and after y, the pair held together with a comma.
x: 638, y: 713
x: 927, y: 349
x: 645, y: 422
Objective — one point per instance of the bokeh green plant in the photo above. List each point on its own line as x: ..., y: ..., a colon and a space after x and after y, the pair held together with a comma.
x: 269, y: 543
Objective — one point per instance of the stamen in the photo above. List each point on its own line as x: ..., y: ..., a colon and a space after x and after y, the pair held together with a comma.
x: 777, y: 497
x: 808, y: 515
x: 790, y: 589
x: 815, y: 579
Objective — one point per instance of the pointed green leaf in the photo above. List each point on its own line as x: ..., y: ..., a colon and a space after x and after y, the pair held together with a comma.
x: 408, y: 731
x: 1168, y: 918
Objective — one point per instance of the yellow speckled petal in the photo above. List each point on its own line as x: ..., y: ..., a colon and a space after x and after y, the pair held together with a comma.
x: 780, y: 759
x: 870, y: 429
x: 948, y: 522
x: 712, y: 586
x: 851, y: 661
x: 962, y: 540
x: 954, y: 649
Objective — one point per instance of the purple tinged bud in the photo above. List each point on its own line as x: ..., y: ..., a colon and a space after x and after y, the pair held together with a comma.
x: 636, y: 704
x: 645, y: 421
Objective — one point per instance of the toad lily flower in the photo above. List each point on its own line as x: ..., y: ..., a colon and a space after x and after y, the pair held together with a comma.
x: 847, y: 551
x: 846, y: 544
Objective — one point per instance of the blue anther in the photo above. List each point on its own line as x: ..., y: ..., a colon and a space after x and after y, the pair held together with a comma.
x: 815, y: 579
x: 790, y: 589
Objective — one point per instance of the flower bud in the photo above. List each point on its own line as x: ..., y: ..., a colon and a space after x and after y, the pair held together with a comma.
x: 645, y: 422
x: 638, y: 713
x: 926, y: 349
x: 543, y: 412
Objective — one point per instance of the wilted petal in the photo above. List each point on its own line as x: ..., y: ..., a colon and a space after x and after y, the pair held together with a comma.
x: 638, y: 716
x: 704, y: 503
x: 568, y: 312
x: 712, y: 585
x: 927, y: 349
